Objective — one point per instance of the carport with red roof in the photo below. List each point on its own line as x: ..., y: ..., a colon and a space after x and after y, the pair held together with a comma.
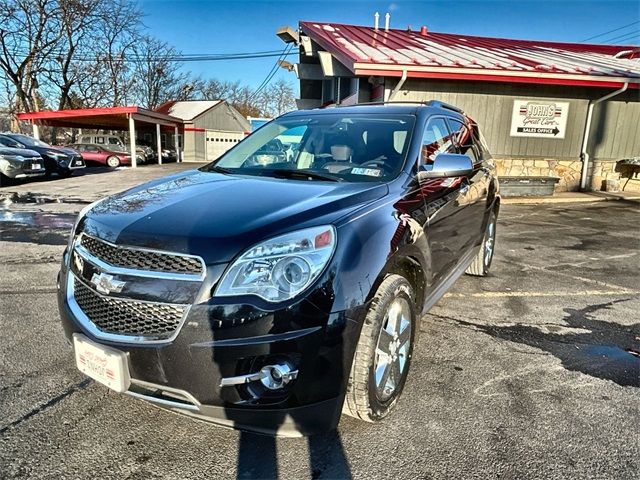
x: 129, y: 119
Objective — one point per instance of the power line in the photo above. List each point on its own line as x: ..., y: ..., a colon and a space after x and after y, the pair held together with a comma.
x: 136, y: 58
x: 272, y: 72
x: 623, y: 38
x: 610, y: 31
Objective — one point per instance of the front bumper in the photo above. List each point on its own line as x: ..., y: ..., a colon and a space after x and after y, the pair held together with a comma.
x: 17, y: 170
x: 69, y: 163
x: 214, y: 342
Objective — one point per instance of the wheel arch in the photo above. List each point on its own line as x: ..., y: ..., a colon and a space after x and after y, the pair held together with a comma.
x: 410, y: 268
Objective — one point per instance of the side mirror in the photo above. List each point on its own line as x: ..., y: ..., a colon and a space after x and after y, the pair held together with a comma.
x: 447, y: 165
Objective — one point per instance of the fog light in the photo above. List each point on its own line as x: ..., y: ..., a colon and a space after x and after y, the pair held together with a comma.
x: 277, y: 376
x: 272, y: 377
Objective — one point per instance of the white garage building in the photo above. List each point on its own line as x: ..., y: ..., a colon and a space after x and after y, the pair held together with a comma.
x: 211, y: 127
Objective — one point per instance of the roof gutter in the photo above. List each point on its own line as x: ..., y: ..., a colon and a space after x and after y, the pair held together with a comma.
x: 587, y: 128
x: 395, y: 91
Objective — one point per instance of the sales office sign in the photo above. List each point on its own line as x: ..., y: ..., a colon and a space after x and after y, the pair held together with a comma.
x: 539, y: 118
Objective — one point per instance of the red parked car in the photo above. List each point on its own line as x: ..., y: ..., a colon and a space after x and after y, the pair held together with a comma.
x: 99, y: 154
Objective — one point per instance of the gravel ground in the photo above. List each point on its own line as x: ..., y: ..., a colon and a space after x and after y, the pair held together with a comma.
x: 528, y: 373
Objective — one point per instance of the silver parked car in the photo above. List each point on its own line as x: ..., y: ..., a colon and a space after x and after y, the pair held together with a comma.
x: 18, y: 163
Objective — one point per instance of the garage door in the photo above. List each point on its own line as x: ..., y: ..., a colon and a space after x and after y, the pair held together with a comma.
x: 220, y: 142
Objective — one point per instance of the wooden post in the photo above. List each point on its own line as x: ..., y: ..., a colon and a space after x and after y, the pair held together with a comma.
x: 36, y: 132
x: 159, y: 144
x: 132, y: 142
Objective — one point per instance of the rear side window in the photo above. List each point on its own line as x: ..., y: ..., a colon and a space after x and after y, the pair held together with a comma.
x: 100, y: 140
x: 464, y: 140
x: 436, y: 139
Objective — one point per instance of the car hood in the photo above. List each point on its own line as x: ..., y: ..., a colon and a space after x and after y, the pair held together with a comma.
x: 23, y: 152
x: 217, y: 216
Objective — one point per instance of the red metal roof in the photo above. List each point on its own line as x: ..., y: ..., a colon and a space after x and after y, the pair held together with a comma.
x: 109, y: 117
x: 366, y: 51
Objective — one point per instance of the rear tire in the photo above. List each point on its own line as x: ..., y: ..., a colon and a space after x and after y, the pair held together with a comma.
x: 482, y: 261
x: 383, y: 354
x: 113, y: 161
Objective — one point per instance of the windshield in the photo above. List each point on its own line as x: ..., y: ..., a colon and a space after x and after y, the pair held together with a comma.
x: 339, y: 147
x: 29, y: 141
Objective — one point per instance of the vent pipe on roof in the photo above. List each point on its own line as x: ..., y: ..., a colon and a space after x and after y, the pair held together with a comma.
x: 424, y: 31
x: 387, y: 18
x: 376, y: 21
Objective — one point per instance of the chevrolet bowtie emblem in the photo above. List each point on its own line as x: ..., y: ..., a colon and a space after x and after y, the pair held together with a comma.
x: 106, y: 284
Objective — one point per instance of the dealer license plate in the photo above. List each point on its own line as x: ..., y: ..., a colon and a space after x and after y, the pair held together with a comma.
x: 104, y: 364
x: 36, y: 166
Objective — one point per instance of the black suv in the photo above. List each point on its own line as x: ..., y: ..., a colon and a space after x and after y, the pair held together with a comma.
x: 274, y: 296
x: 61, y: 160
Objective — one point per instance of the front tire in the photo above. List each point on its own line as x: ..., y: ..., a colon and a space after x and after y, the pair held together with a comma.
x: 383, y: 354
x: 113, y: 161
x: 65, y: 172
x: 482, y: 261
x: 4, y: 180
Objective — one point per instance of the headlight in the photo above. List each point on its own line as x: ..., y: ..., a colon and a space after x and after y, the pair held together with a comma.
x: 56, y: 155
x: 282, y: 267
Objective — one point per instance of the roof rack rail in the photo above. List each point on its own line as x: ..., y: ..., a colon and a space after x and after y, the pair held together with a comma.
x: 439, y: 104
x: 395, y: 102
x: 429, y: 103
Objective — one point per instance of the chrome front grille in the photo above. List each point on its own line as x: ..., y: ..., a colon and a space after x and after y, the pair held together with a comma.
x: 140, y: 259
x: 118, y: 293
x: 128, y: 317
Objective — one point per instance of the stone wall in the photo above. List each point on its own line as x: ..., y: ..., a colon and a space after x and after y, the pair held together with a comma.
x: 567, y: 170
x: 603, y: 170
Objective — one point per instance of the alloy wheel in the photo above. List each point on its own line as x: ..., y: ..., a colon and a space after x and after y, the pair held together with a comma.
x: 113, y: 162
x: 489, y: 241
x: 393, y: 348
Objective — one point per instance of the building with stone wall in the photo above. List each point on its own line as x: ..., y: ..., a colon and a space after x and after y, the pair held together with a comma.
x: 536, y: 102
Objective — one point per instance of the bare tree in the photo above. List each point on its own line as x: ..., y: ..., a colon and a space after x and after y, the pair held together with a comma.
x: 30, y: 31
x: 157, y: 76
x: 281, y: 97
x: 119, y: 31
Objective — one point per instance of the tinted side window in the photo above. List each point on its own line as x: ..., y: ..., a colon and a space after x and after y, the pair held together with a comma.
x: 436, y: 139
x: 8, y: 142
x: 100, y: 140
x: 464, y: 140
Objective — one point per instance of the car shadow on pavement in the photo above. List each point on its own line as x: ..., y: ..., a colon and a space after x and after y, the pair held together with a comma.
x: 598, y: 348
x: 258, y: 456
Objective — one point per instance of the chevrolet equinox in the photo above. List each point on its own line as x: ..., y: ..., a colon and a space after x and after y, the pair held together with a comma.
x: 276, y: 288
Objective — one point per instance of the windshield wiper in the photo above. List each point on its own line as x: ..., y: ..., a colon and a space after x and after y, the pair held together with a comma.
x: 215, y: 168
x: 305, y: 175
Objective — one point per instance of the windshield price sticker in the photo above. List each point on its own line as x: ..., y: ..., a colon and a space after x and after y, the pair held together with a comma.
x: 539, y: 118
x: 370, y: 172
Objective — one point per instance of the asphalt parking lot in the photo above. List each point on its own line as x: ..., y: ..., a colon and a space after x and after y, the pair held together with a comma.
x: 532, y: 372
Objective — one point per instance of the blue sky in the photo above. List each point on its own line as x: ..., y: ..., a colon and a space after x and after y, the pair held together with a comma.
x: 246, y: 26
